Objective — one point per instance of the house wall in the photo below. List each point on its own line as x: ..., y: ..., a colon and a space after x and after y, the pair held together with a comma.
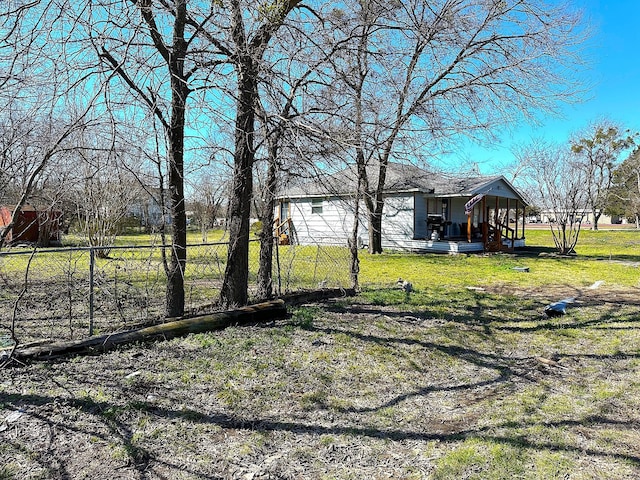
x: 334, y: 225
x: 404, y: 224
x: 331, y: 227
x: 455, y: 212
x: 456, y: 209
x: 420, y: 217
x: 399, y: 221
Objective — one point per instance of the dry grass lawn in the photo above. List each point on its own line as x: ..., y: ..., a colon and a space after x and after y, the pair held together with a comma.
x: 440, y: 383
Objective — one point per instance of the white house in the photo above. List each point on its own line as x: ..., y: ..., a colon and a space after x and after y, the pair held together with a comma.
x: 424, y: 211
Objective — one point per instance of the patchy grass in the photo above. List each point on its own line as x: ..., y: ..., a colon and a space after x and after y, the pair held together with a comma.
x: 445, y: 382
x: 442, y: 384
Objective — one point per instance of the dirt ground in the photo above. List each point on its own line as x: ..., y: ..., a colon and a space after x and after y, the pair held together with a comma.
x: 345, y: 389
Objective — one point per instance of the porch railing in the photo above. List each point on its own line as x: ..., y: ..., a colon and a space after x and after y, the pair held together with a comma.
x: 497, y: 234
x: 283, y: 231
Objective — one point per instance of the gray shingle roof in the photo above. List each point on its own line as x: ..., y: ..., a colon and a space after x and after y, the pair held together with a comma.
x: 399, y: 178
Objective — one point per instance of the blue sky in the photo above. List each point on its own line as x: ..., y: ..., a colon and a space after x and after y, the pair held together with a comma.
x: 614, y: 73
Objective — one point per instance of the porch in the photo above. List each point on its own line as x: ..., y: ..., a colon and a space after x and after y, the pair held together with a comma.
x: 450, y: 246
x: 456, y: 224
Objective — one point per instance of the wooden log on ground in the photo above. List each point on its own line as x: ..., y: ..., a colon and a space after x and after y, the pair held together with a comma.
x: 311, y: 296
x: 254, y: 313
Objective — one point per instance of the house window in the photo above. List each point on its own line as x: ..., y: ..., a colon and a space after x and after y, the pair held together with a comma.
x: 316, y: 206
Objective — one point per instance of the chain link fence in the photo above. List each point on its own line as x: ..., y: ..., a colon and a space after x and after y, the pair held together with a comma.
x: 71, y: 293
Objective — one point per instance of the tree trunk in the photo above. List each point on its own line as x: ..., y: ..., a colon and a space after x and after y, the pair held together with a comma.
x: 376, y: 206
x: 353, y: 242
x: 265, y: 269
x: 375, y: 213
x: 177, y: 265
x: 179, y: 93
x: 249, y: 51
x: 375, y: 231
x: 596, y: 218
x: 236, y: 276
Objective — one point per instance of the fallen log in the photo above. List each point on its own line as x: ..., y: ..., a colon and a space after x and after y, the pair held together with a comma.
x: 311, y: 296
x: 251, y: 314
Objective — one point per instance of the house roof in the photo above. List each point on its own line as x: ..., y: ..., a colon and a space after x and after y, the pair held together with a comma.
x: 400, y: 178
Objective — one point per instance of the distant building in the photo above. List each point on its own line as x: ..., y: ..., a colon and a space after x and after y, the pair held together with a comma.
x: 38, y: 226
x: 148, y: 211
x: 584, y: 215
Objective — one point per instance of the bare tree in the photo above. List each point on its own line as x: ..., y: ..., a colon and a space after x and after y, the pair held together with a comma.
x: 34, y: 85
x: 444, y: 69
x: 158, y: 51
x: 104, y: 185
x: 286, y: 112
x: 198, y: 46
x: 250, y: 36
x: 210, y: 192
x: 551, y: 175
x: 598, y: 150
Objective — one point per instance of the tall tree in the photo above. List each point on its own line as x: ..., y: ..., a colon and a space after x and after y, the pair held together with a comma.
x: 180, y: 48
x: 250, y: 36
x: 599, y: 149
x: 624, y: 197
x: 158, y: 50
x: 444, y: 69
x: 286, y: 111
x: 36, y: 86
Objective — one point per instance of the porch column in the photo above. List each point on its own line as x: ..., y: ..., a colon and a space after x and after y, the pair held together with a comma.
x: 507, y: 217
x: 485, y: 229
x: 524, y: 220
x: 517, y: 218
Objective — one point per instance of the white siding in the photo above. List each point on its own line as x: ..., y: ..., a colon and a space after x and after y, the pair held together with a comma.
x: 403, y: 224
x: 420, y: 216
x: 334, y: 225
x: 456, y: 210
x: 331, y: 227
x: 397, y: 220
x: 502, y: 189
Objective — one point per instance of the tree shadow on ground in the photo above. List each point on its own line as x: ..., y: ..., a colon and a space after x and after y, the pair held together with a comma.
x: 143, y: 460
x: 502, y: 311
x: 509, y: 372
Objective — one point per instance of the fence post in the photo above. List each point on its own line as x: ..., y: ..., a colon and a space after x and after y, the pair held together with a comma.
x: 92, y: 261
x: 277, y: 242
x: 315, y: 267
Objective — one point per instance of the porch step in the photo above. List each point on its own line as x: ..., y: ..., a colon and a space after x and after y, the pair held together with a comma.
x: 499, y: 246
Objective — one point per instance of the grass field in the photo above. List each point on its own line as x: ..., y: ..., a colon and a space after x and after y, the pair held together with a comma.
x: 462, y: 378
x: 610, y: 256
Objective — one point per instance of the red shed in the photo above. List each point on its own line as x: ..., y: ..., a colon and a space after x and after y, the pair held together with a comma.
x: 40, y: 226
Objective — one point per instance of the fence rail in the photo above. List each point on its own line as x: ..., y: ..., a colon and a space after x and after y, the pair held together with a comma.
x: 66, y: 293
